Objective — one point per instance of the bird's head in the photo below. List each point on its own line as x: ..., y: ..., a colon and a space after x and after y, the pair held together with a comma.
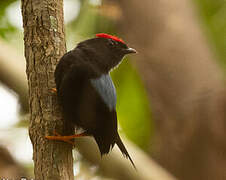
x: 106, y: 51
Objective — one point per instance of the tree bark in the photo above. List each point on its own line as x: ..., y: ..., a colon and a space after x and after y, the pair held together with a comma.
x: 44, y: 45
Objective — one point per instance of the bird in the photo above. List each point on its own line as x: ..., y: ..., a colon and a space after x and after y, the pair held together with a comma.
x: 86, y: 92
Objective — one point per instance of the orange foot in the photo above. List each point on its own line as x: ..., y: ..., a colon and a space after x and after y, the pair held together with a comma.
x: 65, y: 138
x: 53, y: 90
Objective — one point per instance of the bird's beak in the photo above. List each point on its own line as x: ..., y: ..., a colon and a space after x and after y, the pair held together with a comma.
x: 130, y: 50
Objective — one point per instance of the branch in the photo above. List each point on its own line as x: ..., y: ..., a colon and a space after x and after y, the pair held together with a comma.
x: 115, y: 166
x: 44, y: 45
x: 12, y: 73
x: 9, y: 168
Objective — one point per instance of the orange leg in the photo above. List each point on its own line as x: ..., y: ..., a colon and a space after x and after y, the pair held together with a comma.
x: 65, y: 138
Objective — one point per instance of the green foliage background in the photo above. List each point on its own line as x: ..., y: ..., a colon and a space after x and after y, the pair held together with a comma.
x: 213, y: 16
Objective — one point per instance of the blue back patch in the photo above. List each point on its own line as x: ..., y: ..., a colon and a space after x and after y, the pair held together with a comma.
x: 106, y: 90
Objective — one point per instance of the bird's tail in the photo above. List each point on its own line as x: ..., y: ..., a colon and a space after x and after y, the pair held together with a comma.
x: 123, y: 149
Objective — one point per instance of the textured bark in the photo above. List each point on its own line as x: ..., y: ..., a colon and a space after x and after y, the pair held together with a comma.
x: 184, y: 85
x: 44, y: 45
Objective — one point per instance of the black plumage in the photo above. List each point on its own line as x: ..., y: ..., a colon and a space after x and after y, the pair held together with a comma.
x: 86, y: 92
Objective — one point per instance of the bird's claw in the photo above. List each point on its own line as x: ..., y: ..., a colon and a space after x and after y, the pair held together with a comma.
x: 53, y: 90
x: 58, y: 137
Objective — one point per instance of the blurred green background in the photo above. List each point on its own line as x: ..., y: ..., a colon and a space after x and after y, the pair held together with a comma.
x: 213, y: 15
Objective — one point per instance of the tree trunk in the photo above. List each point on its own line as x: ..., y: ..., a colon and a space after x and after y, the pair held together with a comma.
x: 44, y: 45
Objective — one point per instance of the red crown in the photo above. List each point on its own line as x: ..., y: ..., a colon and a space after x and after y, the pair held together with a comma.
x: 103, y: 35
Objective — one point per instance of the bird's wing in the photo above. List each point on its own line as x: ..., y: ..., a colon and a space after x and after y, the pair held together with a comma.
x: 105, y: 88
